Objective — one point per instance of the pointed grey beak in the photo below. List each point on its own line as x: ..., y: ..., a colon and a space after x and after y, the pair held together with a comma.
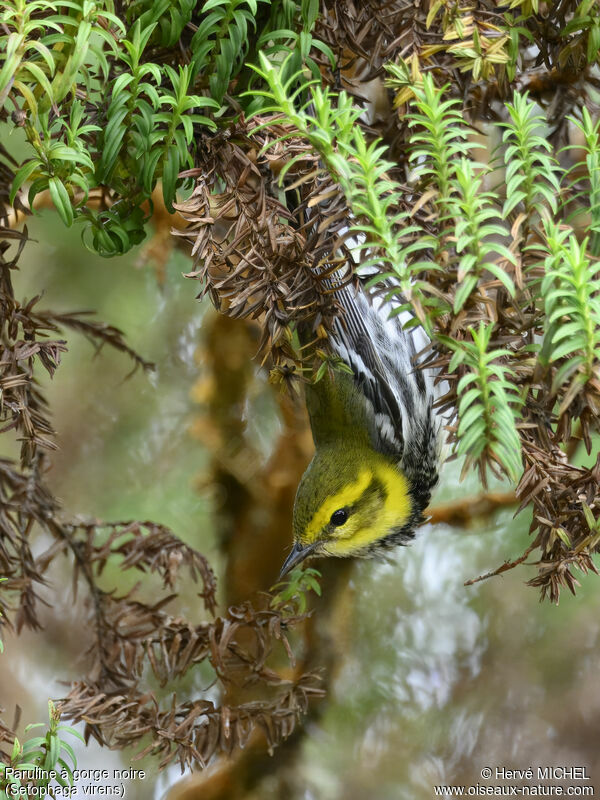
x: 297, y: 555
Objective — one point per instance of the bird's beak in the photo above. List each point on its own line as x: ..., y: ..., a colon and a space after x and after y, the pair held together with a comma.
x: 297, y: 555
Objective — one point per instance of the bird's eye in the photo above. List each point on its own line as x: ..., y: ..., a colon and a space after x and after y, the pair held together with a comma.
x: 339, y: 517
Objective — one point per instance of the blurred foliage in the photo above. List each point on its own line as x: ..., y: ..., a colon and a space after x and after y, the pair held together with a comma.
x: 273, y: 118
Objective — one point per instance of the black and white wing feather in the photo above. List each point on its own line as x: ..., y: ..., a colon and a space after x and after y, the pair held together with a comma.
x: 383, y: 357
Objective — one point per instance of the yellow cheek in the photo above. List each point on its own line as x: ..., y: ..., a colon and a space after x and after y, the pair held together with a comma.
x: 394, y: 513
x: 345, y: 497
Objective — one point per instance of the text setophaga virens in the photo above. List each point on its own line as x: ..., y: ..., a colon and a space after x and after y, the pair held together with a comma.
x: 376, y: 439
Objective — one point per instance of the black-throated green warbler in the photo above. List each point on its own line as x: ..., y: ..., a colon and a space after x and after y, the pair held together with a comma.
x: 376, y: 438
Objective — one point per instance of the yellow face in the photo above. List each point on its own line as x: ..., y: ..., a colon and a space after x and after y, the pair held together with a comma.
x: 346, y: 505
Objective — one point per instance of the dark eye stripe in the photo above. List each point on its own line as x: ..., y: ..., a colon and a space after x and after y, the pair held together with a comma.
x: 375, y: 488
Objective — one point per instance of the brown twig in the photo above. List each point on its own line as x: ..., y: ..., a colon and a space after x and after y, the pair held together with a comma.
x: 503, y: 567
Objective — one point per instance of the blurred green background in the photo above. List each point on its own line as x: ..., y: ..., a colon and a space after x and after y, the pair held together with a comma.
x: 434, y: 680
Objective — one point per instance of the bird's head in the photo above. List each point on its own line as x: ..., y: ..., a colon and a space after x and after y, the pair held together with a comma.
x: 349, y: 500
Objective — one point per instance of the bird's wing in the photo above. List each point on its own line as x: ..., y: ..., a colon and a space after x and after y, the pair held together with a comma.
x: 359, y: 334
x: 382, y: 356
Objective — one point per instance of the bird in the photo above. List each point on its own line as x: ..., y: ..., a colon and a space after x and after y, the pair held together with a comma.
x: 376, y: 435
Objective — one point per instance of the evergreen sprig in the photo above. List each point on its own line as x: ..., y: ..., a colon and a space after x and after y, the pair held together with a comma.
x: 475, y: 220
x: 588, y: 194
x: 531, y: 172
x: 438, y: 137
x: 489, y: 404
x: 221, y: 41
x: 48, y: 49
x: 571, y: 291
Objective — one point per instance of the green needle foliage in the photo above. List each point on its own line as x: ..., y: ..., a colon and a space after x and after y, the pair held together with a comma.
x: 531, y: 172
x: 571, y: 291
x: 142, y: 118
x: 475, y: 219
x: 489, y: 405
x: 590, y: 166
x: 438, y: 136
